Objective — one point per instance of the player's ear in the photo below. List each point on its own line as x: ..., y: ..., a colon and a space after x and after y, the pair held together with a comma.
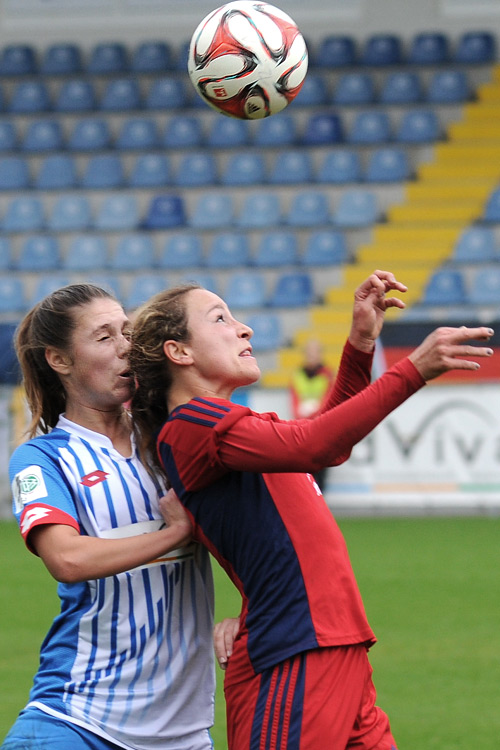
x: 58, y: 360
x: 177, y: 352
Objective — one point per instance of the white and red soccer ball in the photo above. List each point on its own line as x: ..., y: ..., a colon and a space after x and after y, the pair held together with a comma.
x: 247, y: 59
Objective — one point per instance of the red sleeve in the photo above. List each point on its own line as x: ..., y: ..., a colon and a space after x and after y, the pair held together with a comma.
x: 353, y: 375
x: 263, y: 443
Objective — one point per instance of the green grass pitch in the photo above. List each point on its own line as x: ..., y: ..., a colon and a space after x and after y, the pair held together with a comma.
x: 431, y: 589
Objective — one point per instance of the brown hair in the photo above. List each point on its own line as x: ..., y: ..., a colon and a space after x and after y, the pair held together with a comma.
x: 49, y: 324
x: 164, y: 317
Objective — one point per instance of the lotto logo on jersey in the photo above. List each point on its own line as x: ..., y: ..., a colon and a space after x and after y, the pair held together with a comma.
x: 27, y: 486
x: 95, y: 477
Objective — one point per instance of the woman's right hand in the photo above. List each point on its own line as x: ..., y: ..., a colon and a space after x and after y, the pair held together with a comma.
x: 449, y: 349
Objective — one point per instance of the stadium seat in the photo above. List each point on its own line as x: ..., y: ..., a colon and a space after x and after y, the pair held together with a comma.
x: 485, y: 287
x: 6, y: 253
x: 336, y: 51
x: 419, y: 126
x: 183, y: 131
x: 244, y: 168
x: 205, y: 280
x: 181, y: 251
x: 47, y: 284
x: 43, y: 135
x: 166, y: 93
x: 228, y: 250
x: 86, y: 253
x: 291, y: 167
x: 278, y: 130
x: 108, y: 57
x: 76, y: 95
x: 389, y: 164
x: 445, y: 287
x: 322, y: 129
x: 403, y: 87
x: 103, y: 171
x: 370, y: 127
x: 29, y: 97
x: 325, y: 248
x: 197, y: 169
x: 476, y: 245
x: 121, y: 94
x: 382, y: 49
x: 429, y: 48
x: 354, y: 88
x: 39, y: 252
x: 8, y: 136
x: 340, y: 166
x: 61, y: 58
x: 118, y: 212
x: 133, y: 252
x: 24, y: 214
x: 90, y: 134
x: 308, y: 208
x: 70, y: 213
x: 267, y: 331
x: 152, y: 57
x: 228, y: 132
x: 165, y: 212
x: 277, y: 248
x: 293, y: 290
x: 314, y: 91
x: 144, y: 286
x: 18, y: 60
x: 138, y: 133
x: 212, y: 211
x: 492, y: 208
x: 56, y: 172
x: 476, y: 47
x: 260, y: 210
x: 14, y: 173
x: 245, y: 290
x: 12, y: 295
x: 448, y: 86
x: 150, y: 170
x: 356, y: 208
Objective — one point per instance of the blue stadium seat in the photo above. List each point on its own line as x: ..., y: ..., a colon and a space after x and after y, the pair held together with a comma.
x: 492, y: 209
x: 336, y: 51
x: 86, y: 252
x: 277, y: 248
x: 212, y: 211
x: 354, y: 88
x: 388, y: 164
x: 8, y: 136
x: 18, y: 60
x: 29, y: 97
x: 326, y: 247
x: 108, y: 57
x: 476, y: 245
x: 226, y: 132
x: 118, y: 212
x: 322, y: 129
x: 144, y: 286
x: 14, y: 173
x: 56, y: 172
x: 61, y: 58
x: 267, y: 331
x: 291, y: 166
x: 314, y: 91
x: 90, y: 134
x: 12, y: 295
x: 165, y: 212
x: 370, y: 127
x: 39, y: 252
x: 245, y: 289
x: 43, y: 135
x: 205, y: 280
x: 138, y: 133
x: 429, y: 48
x: 76, y: 95
x: 70, y: 213
x: 133, y: 252
x: 47, y: 284
x: 403, y: 87
x: 448, y: 86
x: 340, y: 166
x: 260, y: 210
x: 356, y: 208
x: 278, y: 130
x: 103, y: 171
x: 476, y: 47
x: 308, y: 208
x: 121, y: 94
x: 150, y: 170
x: 485, y: 287
x: 419, y: 126
x: 152, y: 56
x: 382, y: 49
x: 197, y: 169
x: 24, y: 214
x: 445, y: 287
x: 181, y: 251
x: 183, y: 131
x: 6, y: 253
x: 181, y: 61
x: 293, y: 290
x: 244, y: 168
x: 166, y: 93
x: 228, y: 250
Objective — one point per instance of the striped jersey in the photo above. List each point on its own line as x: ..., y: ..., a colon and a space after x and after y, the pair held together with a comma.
x: 129, y: 657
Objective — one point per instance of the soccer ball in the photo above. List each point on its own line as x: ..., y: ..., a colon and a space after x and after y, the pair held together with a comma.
x: 247, y: 59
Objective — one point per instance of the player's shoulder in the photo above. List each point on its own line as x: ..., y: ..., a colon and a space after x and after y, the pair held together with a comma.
x: 207, y: 411
x: 39, y: 448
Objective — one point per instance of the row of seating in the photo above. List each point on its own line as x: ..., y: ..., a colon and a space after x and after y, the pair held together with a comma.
x: 121, y: 211
x: 152, y: 56
x: 452, y: 286
x: 171, y: 93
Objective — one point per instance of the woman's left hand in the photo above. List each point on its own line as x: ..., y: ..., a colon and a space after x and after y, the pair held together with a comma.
x: 224, y: 634
x: 370, y: 304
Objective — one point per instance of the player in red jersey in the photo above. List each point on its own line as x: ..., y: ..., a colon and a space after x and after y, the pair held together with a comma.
x: 298, y: 677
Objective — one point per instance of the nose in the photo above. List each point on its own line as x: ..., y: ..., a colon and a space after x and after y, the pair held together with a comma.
x: 245, y: 331
x: 124, y: 345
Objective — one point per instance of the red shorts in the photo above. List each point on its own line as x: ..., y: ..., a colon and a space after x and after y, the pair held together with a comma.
x: 315, y: 700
